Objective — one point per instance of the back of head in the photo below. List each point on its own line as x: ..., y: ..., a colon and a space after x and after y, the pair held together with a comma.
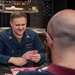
x: 62, y: 27
x: 17, y: 14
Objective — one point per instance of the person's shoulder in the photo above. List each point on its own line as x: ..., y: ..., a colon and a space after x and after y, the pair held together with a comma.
x: 4, y: 31
x: 34, y: 73
x: 30, y: 30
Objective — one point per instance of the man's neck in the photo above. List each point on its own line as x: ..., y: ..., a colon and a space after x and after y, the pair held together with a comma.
x: 67, y: 60
x: 18, y: 37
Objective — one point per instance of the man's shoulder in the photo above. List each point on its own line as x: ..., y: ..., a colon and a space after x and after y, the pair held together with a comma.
x: 34, y: 73
x: 30, y: 30
x: 6, y: 31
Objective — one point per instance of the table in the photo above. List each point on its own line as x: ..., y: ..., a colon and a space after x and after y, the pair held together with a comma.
x: 5, y: 70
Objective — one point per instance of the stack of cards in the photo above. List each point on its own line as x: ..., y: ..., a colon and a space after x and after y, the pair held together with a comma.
x: 16, y: 70
x: 28, y: 54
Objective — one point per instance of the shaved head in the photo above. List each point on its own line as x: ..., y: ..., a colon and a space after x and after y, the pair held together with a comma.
x: 62, y: 27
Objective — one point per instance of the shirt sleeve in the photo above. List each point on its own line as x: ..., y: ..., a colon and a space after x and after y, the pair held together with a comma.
x: 3, y: 59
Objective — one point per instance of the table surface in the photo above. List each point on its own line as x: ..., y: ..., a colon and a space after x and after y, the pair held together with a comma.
x: 5, y: 70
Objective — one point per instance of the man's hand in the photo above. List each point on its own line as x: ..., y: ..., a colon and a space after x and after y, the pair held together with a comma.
x: 35, y: 58
x: 18, y: 61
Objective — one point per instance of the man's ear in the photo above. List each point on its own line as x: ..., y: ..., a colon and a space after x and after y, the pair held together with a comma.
x: 49, y: 40
x: 11, y: 23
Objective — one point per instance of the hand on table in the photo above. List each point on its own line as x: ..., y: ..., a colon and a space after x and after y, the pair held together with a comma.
x: 18, y: 61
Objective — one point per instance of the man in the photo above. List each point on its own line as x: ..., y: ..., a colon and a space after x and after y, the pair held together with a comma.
x: 17, y: 40
x: 61, y: 39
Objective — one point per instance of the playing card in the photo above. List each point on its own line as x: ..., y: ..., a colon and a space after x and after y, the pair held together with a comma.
x: 34, y: 52
x: 28, y: 54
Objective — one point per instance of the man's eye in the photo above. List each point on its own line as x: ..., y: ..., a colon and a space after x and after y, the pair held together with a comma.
x: 17, y: 25
x: 23, y: 24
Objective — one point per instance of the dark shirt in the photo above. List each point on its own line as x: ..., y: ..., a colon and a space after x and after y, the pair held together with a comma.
x: 9, y: 45
x: 51, y: 70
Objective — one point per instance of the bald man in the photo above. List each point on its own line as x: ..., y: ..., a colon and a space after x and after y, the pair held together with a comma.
x: 61, y: 39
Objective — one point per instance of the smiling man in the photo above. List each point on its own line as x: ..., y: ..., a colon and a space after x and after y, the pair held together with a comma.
x: 17, y: 40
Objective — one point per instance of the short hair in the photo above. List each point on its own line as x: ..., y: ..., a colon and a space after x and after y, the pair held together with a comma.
x: 17, y: 14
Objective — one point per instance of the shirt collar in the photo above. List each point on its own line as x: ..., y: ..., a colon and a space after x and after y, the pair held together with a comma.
x: 60, y: 70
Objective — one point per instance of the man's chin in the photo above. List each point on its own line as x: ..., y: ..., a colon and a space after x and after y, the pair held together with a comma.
x: 20, y: 34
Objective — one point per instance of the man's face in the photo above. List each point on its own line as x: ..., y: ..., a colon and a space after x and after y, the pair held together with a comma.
x: 18, y: 26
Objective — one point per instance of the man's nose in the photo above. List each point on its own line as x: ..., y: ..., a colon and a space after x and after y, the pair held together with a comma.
x: 21, y: 27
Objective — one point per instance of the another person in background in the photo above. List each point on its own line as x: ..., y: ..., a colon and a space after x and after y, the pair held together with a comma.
x: 61, y: 39
x: 17, y: 40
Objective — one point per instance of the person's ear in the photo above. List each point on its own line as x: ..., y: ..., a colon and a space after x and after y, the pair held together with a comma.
x: 11, y: 23
x: 49, y: 40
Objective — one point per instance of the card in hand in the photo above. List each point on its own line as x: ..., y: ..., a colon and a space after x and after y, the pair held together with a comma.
x: 28, y: 54
x: 34, y: 52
